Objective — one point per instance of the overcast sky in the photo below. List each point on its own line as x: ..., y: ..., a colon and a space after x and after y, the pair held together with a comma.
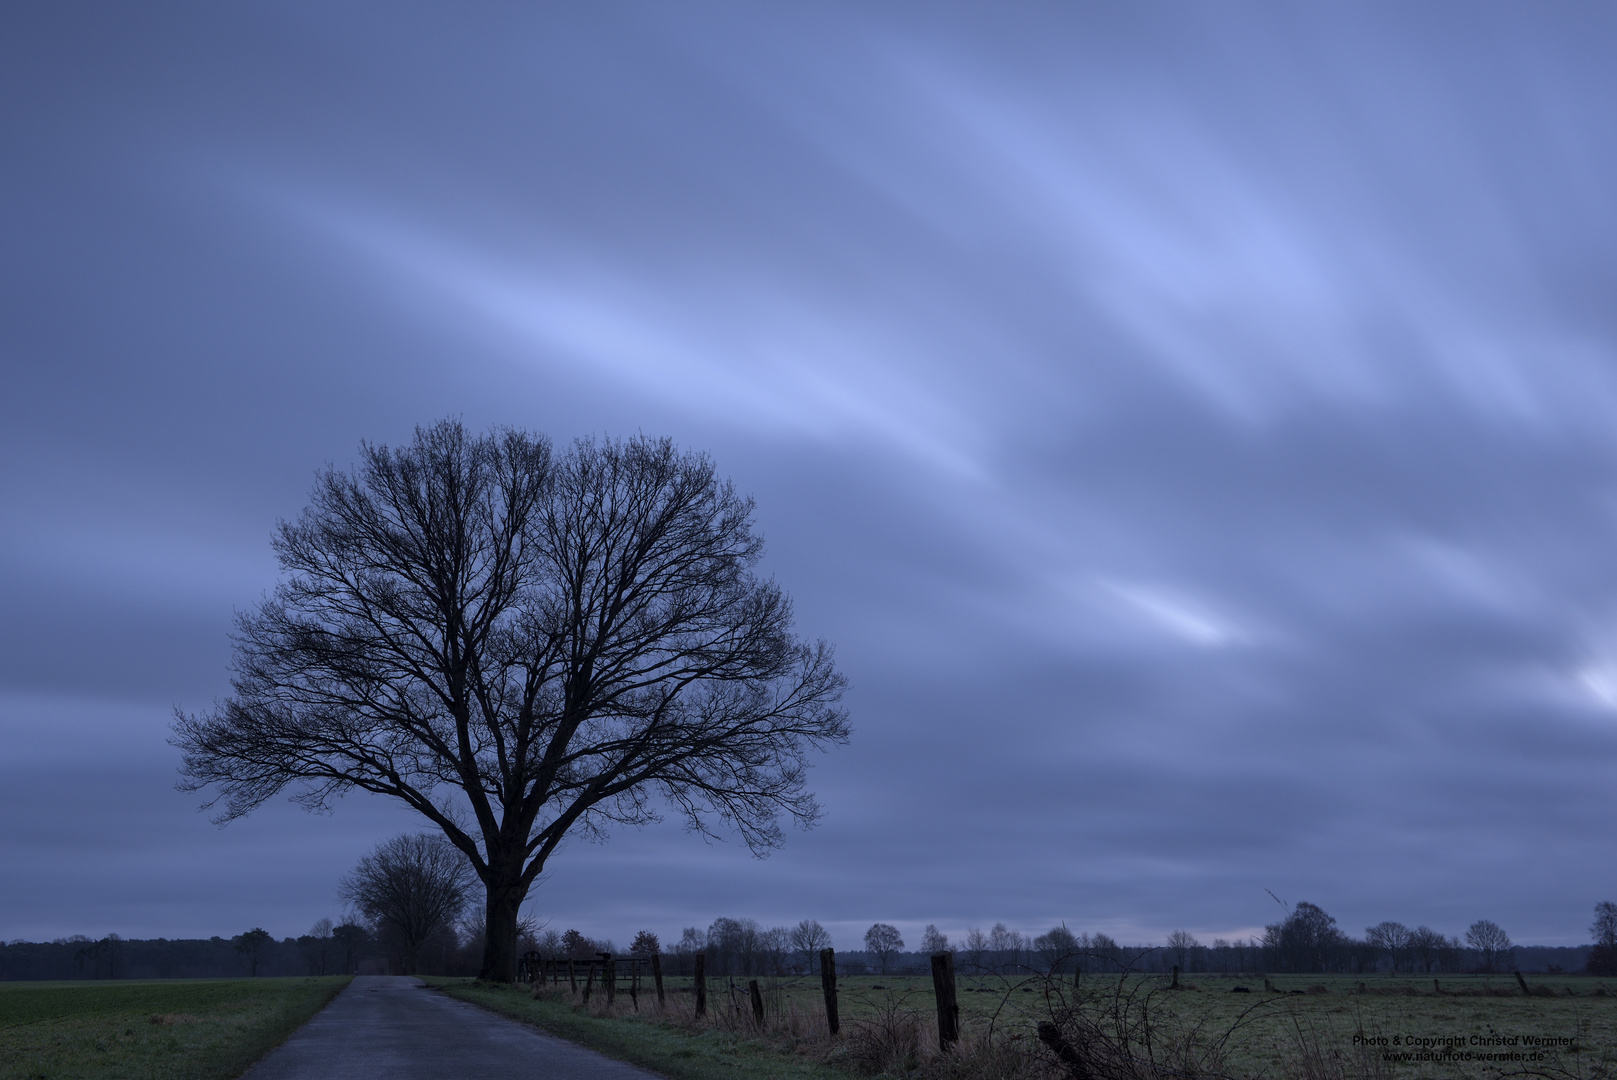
x: 1192, y: 424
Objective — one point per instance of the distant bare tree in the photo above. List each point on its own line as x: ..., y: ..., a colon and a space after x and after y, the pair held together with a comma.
x: 934, y: 941
x: 1305, y: 940
x: 576, y: 946
x: 1393, y: 938
x: 1057, y: 946
x: 1105, y: 953
x: 883, y: 939
x: 1604, y: 928
x: 692, y: 941
x: 733, y: 945
x: 1491, y: 943
x: 1006, y: 945
x: 774, y: 948
x: 252, y: 945
x: 352, y: 938
x: 1221, y: 953
x: 1180, y: 943
x: 1603, y: 957
x: 808, y: 938
x: 318, y: 947
x: 976, y: 950
x: 645, y: 943
x: 1426, y: 947
x: 410, y: 886
x: 521, y: 645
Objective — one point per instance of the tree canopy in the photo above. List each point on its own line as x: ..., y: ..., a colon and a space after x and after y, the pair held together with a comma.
x: 521, y: 644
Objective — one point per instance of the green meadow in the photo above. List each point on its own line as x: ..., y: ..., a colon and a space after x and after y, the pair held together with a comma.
x: 202, y: 1029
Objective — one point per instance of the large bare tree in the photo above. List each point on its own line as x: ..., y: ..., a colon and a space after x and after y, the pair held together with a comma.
x: 520, y: 645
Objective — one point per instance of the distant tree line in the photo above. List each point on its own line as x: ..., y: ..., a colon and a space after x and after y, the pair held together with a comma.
x: 1306, y: 941
x: 325, y: 950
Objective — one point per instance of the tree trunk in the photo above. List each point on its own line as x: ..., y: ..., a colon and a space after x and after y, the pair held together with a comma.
x: 500, y: 932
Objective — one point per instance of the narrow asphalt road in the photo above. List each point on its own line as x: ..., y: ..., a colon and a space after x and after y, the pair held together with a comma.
x: 391, y: 1027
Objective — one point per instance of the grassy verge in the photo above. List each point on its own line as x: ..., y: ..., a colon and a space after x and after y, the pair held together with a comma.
x: 662, y: 1042
x: 182, y: 1029
x: 1317, y: 1027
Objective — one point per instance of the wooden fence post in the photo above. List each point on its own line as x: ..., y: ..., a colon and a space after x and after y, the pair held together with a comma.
x: 609, y: 975
x: 701, y: 985
x: 572, y: 975
x: 1176, y: 976
x: 757, y: 1002
x: 589, y: 980
x: 1521, y: 982
x: 657, y: 975
x: 943, y: 988
x: 828, y: 984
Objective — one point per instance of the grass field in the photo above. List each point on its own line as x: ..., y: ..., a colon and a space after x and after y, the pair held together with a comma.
x: 182, y: 1029
x: 1304, y: 1027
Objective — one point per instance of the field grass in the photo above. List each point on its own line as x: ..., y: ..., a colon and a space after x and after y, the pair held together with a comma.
x: 1303, y: 1027
x: 663, y: 1042
x: 180, y: 1029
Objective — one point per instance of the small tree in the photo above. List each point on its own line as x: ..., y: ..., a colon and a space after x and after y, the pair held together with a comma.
x: 1491, y: 943
x: 411, y: 886
x: 645, y: 943
x: 808, y: 938
x: 251, y: 945
x: 1393, y: 938
x: 1603, y: 957
x: 934, y: 940
x: 883, y: 939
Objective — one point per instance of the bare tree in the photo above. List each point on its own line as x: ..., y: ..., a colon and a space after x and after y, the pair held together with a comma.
x: 883, y: 939
x: 352, y: 939
x: 774, y: 946
x: 411, y: 886
x: 1106, y: 953
x: 519, y: 645
x: 252, y: 945
x: 1604, y: 928
x: 1491, y: 943
x: 1181, y: 943
x: 1603, y: 957
x: 733, y: 945
x: 808, y: 938
x: 645, y: 943
x: 1006, y: 945
x: 976, y: 950
x: 1056, y: 947
x: 1392, y: 937
x: 318, y: 946
x: 934, y: 940
x: 1426, y: 946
